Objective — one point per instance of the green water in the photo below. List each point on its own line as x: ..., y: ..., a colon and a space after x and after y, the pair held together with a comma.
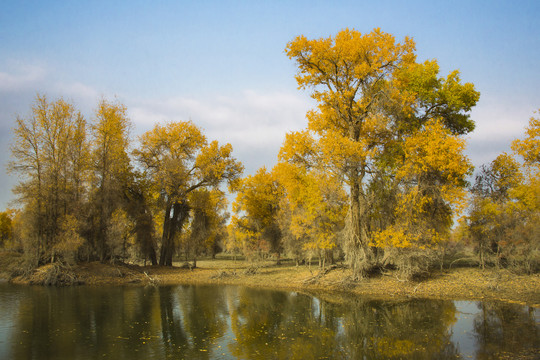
x: 230, y: 322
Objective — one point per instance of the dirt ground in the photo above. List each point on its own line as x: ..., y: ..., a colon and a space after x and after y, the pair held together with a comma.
x: 463, y: 283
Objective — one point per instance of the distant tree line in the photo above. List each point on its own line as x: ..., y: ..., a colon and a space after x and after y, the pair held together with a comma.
x: 378, y: 178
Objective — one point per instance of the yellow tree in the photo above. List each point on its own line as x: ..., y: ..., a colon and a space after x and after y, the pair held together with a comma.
x: 370, y: 93
x: 313, y: 209
x: 50, y: 152
x: 529, y: 147
x: 256, y: 208
x: 6, y: 226
x: 233, y: 240
x: 521, y: 244
x: 111, y: 169
x: 487, y: 221
x: 524, y: 239
x: 141, y: 208
x: 432, y: 190
x: 179, y: 160
x: 69, y: 239
x: 120, y: 231
x: 207, y: 226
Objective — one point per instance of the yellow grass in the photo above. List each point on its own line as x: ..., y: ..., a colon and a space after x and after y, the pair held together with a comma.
x: 467, y: 283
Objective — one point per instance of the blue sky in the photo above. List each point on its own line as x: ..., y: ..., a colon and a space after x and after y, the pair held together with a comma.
x: 222, y: 63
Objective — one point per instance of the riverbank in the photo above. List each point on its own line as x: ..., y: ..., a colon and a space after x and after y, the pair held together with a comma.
x: 463, y: 283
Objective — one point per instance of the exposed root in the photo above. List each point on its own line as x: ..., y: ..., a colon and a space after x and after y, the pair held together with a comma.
x: 56, y: 274
x: 321, y: 274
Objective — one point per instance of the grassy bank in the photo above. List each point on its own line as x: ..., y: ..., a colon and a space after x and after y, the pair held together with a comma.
x: 463, y: 283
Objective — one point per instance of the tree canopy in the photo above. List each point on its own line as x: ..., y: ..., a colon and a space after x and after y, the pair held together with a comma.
x: 371, y: 97
x: 179, y: 160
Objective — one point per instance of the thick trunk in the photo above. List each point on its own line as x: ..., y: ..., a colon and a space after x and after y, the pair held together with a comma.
x: 359, y: 254
x: 165, y: 237
x: 175, y: 215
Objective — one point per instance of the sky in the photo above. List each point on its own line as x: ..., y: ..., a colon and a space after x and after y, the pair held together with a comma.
x: 222, y: 65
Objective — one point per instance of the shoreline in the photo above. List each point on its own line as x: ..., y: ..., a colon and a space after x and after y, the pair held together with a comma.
x: 462, y: 283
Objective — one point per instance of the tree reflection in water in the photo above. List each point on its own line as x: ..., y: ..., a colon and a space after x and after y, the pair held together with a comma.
x: 297, y: 326
x: 227, y: 322
x: 506, y: 328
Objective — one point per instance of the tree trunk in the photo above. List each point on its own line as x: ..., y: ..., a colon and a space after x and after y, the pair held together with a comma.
x: 329, y: 255
x: 171, y: 225
x: 144, y: 232
x: 165, y: 246
x: 358, y: 252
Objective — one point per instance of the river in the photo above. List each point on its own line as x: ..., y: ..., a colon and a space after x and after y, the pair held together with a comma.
x: 234, y: 322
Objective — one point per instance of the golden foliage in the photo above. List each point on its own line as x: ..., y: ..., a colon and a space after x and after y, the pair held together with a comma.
x: 529, y: 147
x: 373, y: 101
x: 256, y: 206
x: 180, y: 160
x: 317, y: 205
x: 69, y: 241
x: 432, y: 191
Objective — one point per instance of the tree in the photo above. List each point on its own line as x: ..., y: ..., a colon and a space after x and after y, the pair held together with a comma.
x: 313, y: 209
x: 119, y: 235
x: 371, y: 93
x: 111, y: 170
x: 179, y: 160
x: 68, y: 239
x: 524, y: 241
x: 233, y: 240
x: 50, y: 152
x: 256, y: 208
x: 504, y: 217
x: 432, y: 190
x: 141, y: 209
x: 207, y: 225
x: 6, y: 226
x: 491, y: 193
x: 529, y: 147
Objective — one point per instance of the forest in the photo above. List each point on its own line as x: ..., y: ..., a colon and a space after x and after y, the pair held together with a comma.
x: 377, y: 179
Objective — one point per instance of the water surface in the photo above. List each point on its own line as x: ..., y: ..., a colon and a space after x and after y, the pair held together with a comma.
x: 232, y: 322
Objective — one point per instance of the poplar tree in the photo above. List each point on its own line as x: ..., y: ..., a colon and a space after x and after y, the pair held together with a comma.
x: 371, y: 94
x: 50, y: 152
x: 179, y: 160
x: 111, y: 170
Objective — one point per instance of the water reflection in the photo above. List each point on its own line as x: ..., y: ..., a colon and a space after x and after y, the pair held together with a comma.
x: 226, y: 322
x: 503, y: 327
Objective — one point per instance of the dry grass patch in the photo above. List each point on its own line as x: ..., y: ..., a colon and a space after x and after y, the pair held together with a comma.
x: 463, y: 283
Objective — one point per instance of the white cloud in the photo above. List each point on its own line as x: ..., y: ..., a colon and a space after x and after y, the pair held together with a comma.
x: 498, y: 123
x: 20, y: 82
x: 254, y: 123
x: 22, y: 77
x: 500, y: 120
x: 77, y: 90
